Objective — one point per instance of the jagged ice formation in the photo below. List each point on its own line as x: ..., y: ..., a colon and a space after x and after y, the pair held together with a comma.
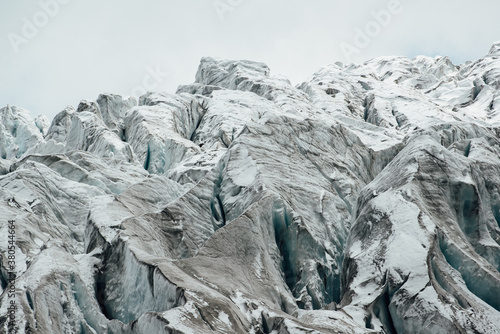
x: 364, y: 200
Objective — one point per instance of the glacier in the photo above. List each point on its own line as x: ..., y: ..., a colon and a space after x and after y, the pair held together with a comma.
x: 363, y: 200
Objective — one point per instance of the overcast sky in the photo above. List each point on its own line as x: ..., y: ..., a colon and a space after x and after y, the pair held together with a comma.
x: 58, y: 52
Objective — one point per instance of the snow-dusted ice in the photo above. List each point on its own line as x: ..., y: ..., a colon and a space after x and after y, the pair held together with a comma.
x: 364, y: 200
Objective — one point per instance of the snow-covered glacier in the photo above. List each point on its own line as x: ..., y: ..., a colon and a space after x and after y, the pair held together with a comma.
x: 364, y: 200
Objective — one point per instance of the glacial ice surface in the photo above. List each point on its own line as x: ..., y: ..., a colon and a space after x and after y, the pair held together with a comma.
x: 363, y: 200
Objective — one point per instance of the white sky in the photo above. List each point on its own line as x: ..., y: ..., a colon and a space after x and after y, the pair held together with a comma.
x: 89, y: 47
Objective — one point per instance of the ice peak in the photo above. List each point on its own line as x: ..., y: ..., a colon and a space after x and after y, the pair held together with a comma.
x: 90, y: 106
x: 229, y: 73
x: 495, y: 49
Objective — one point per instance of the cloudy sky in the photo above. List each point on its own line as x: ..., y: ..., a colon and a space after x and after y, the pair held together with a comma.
x: 58, y: 52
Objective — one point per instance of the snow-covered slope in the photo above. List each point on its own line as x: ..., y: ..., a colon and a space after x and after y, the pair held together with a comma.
x: 364, y: 200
